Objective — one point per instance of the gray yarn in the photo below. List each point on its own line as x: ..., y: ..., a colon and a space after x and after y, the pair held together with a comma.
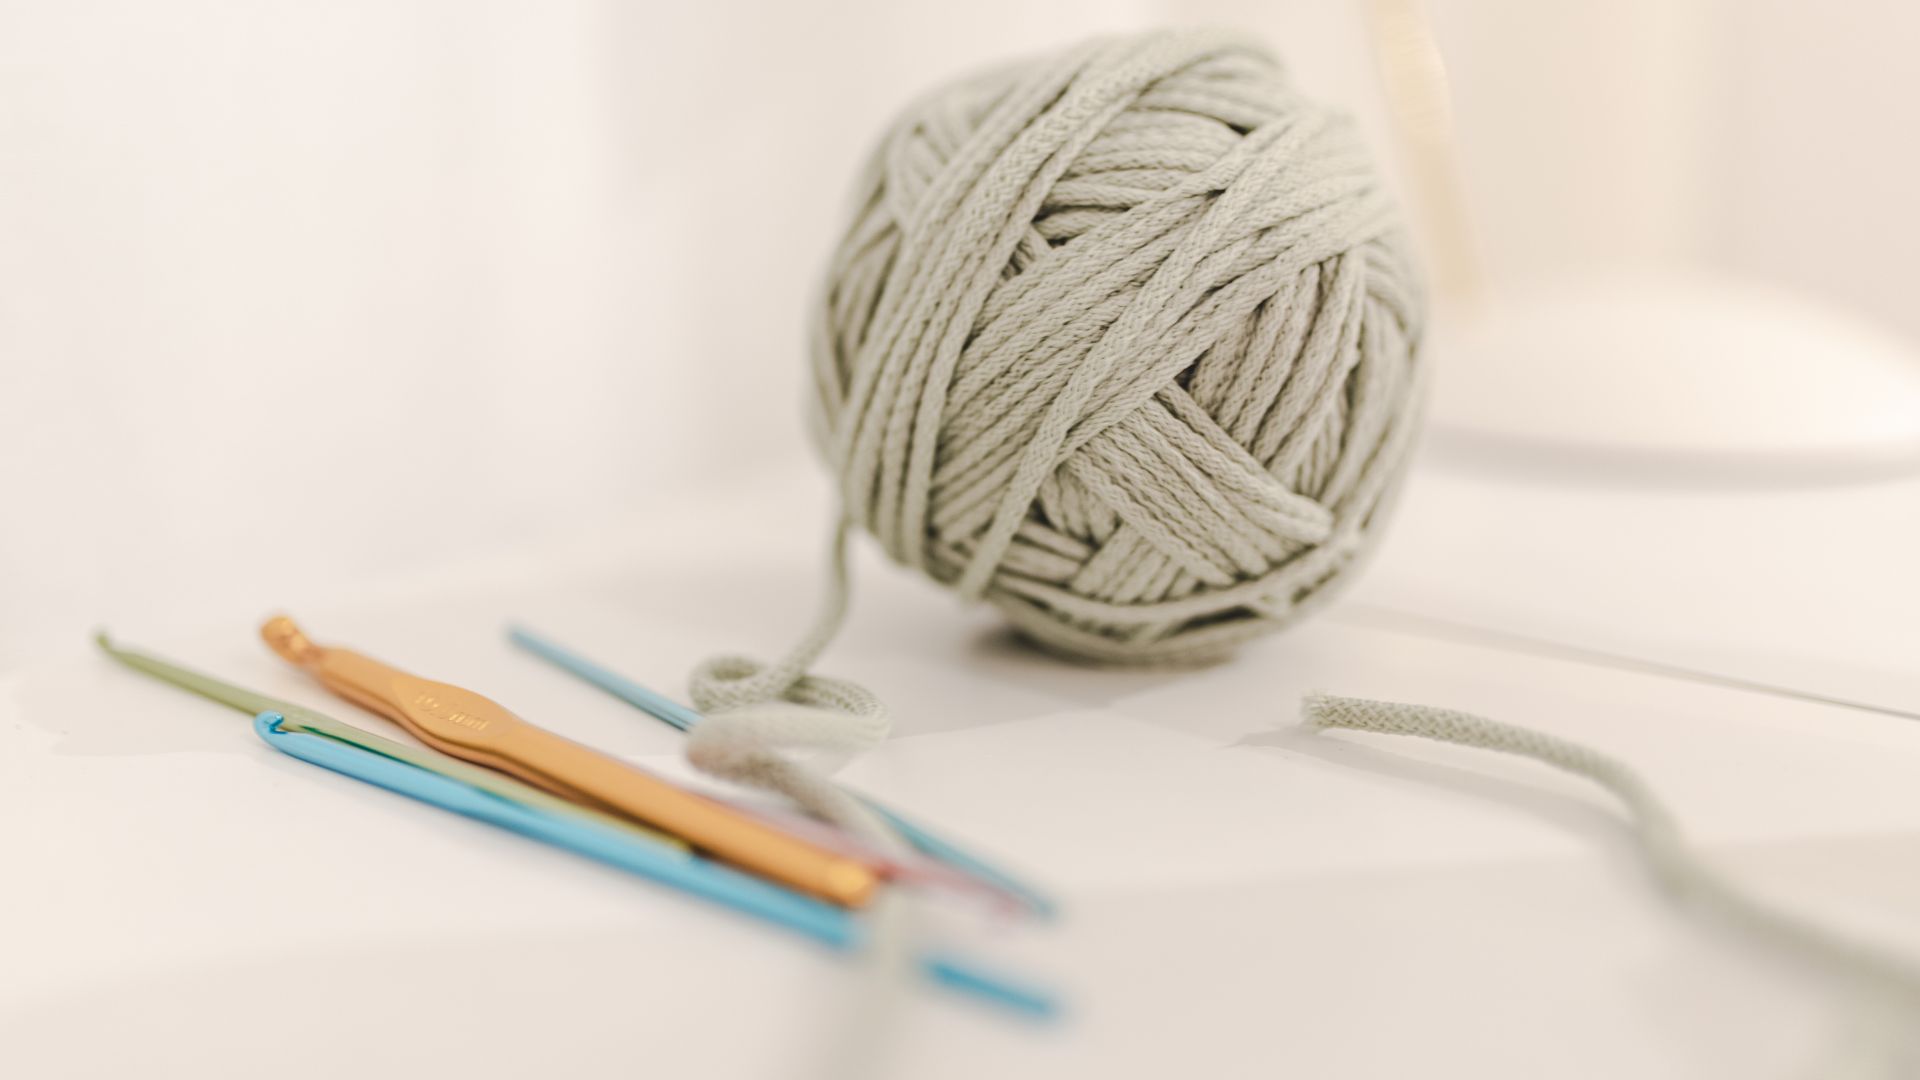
x: 755, y: 715
x: 1123, y: 340
x: 756, y: 712
x: 1892, y: 978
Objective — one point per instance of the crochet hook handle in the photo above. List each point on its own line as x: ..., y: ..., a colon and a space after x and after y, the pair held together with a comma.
x: 467, y: 725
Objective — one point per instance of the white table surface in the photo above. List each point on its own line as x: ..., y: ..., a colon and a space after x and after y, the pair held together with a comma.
x: 1242, y: 899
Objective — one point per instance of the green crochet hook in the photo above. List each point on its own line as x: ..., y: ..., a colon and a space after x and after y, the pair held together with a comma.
x: 300, y: 719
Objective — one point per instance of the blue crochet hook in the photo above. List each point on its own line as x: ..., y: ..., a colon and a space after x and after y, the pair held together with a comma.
x: 676, y: 715
x: 830, y: 925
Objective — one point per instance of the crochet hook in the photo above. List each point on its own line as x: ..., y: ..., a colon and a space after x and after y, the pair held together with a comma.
x: 430, y: 777
x: 301, y: 719
x: 676, y: 715
x: 466, y: 725
x: 832, y: 926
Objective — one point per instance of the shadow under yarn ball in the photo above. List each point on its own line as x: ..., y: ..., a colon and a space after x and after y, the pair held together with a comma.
x: 1122, y: 339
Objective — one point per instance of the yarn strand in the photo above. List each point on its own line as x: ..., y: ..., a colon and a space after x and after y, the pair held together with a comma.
x: 757, y: 712
x: 1658, y: 838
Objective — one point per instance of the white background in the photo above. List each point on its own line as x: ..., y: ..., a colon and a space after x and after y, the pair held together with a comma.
x: 412, y: 319
x: 295, y: 298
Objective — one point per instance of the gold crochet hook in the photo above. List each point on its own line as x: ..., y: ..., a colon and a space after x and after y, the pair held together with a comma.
x: 465, y: 725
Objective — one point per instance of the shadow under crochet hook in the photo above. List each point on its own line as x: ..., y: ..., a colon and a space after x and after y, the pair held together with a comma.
x: 465, y: 725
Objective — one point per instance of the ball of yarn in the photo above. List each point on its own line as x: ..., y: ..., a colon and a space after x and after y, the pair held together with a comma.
x: 1123, y: 340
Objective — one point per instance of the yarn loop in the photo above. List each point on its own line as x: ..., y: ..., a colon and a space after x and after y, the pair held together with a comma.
x: 757, y: 712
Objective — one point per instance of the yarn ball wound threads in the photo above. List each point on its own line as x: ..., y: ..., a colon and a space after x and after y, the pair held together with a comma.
x: 1123, y: 340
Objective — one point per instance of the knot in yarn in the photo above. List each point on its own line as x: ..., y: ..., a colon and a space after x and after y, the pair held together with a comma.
x: 1123, y: 340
